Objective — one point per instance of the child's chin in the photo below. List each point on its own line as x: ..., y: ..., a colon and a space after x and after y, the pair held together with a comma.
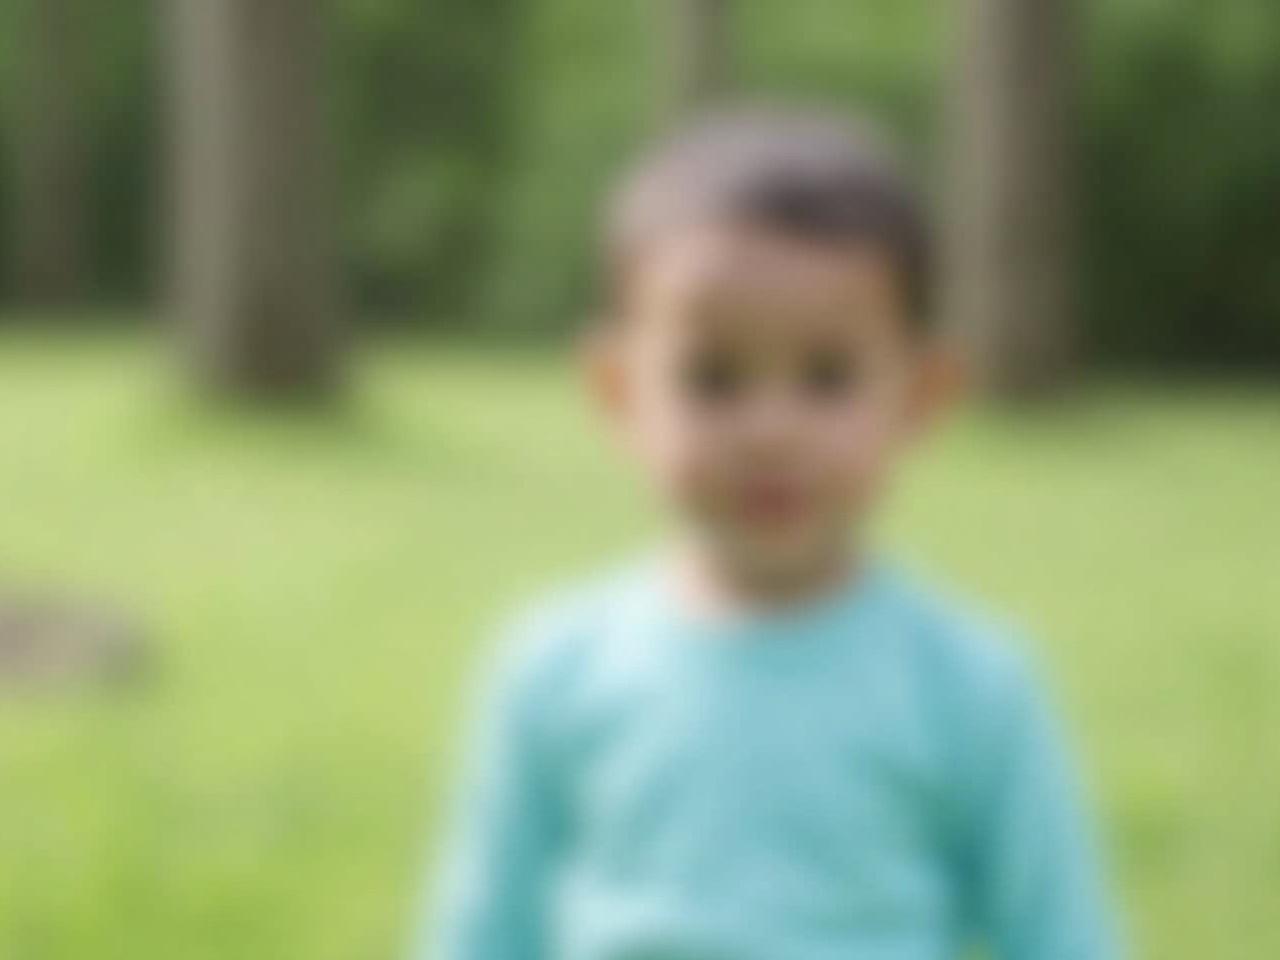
x: 784, y: 550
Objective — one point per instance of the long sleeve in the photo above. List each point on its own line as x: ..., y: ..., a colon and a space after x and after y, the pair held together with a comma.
x: 1039, y: 891
x: 492, y: 888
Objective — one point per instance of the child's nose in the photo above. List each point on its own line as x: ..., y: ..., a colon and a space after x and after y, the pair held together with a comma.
x: 772, y: 418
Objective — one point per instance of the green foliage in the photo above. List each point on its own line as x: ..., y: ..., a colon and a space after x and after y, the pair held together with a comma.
x: 119, y: 111
x: 588, y: 102
x: 1182, y: 181
x: 477, y: 137
x: 425, y: 96
x: 318, y: 588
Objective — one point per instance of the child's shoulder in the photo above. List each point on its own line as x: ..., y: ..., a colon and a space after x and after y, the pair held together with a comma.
x: 556, y: 627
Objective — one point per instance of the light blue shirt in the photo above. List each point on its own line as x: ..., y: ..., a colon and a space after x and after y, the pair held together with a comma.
x: 870, y: 776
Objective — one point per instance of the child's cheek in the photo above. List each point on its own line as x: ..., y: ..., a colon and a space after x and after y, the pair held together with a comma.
x: 702, y: 475
x: 857, y: 450
x: 682, y: 458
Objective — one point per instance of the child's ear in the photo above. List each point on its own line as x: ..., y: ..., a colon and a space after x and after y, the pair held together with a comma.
x: 940, y: 384
x: 600, y: 362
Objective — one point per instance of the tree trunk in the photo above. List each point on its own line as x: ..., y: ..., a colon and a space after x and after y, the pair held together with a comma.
x: 49, y: 229
x: 1011, y: 274
x: 254, y: 250
x: 700, y: 57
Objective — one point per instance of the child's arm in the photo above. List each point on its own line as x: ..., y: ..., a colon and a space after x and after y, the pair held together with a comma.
x: 491, y: 900
x: 1039, y: 889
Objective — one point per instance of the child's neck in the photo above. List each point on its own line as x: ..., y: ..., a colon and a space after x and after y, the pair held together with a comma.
x: 713, y: 584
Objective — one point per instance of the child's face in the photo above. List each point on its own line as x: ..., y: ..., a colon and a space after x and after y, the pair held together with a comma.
x: 766, y: 383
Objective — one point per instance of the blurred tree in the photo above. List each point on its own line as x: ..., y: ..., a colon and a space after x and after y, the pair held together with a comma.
x: 49, y: 210
x: 700, y: 52
x: 254, y: 245
x: 1011, y: 264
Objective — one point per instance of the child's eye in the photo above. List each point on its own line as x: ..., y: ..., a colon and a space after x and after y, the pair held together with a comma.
x: 829, y: 374
x: 714, y: 378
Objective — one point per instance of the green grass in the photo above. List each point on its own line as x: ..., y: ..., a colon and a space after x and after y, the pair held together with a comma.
x: 318, y: 587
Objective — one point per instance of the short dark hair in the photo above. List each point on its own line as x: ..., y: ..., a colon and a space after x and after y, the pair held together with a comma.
x: 812, y: 173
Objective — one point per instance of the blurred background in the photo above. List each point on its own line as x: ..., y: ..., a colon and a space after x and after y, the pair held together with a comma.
x: 287, y: 418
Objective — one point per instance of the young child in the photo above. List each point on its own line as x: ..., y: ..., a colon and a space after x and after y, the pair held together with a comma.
x: 761, y: 741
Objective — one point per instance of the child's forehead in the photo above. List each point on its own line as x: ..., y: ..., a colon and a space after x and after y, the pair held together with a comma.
x: 722, y: 272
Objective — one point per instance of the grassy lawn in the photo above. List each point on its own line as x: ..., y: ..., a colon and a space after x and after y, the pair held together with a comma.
x: 318, y: 588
